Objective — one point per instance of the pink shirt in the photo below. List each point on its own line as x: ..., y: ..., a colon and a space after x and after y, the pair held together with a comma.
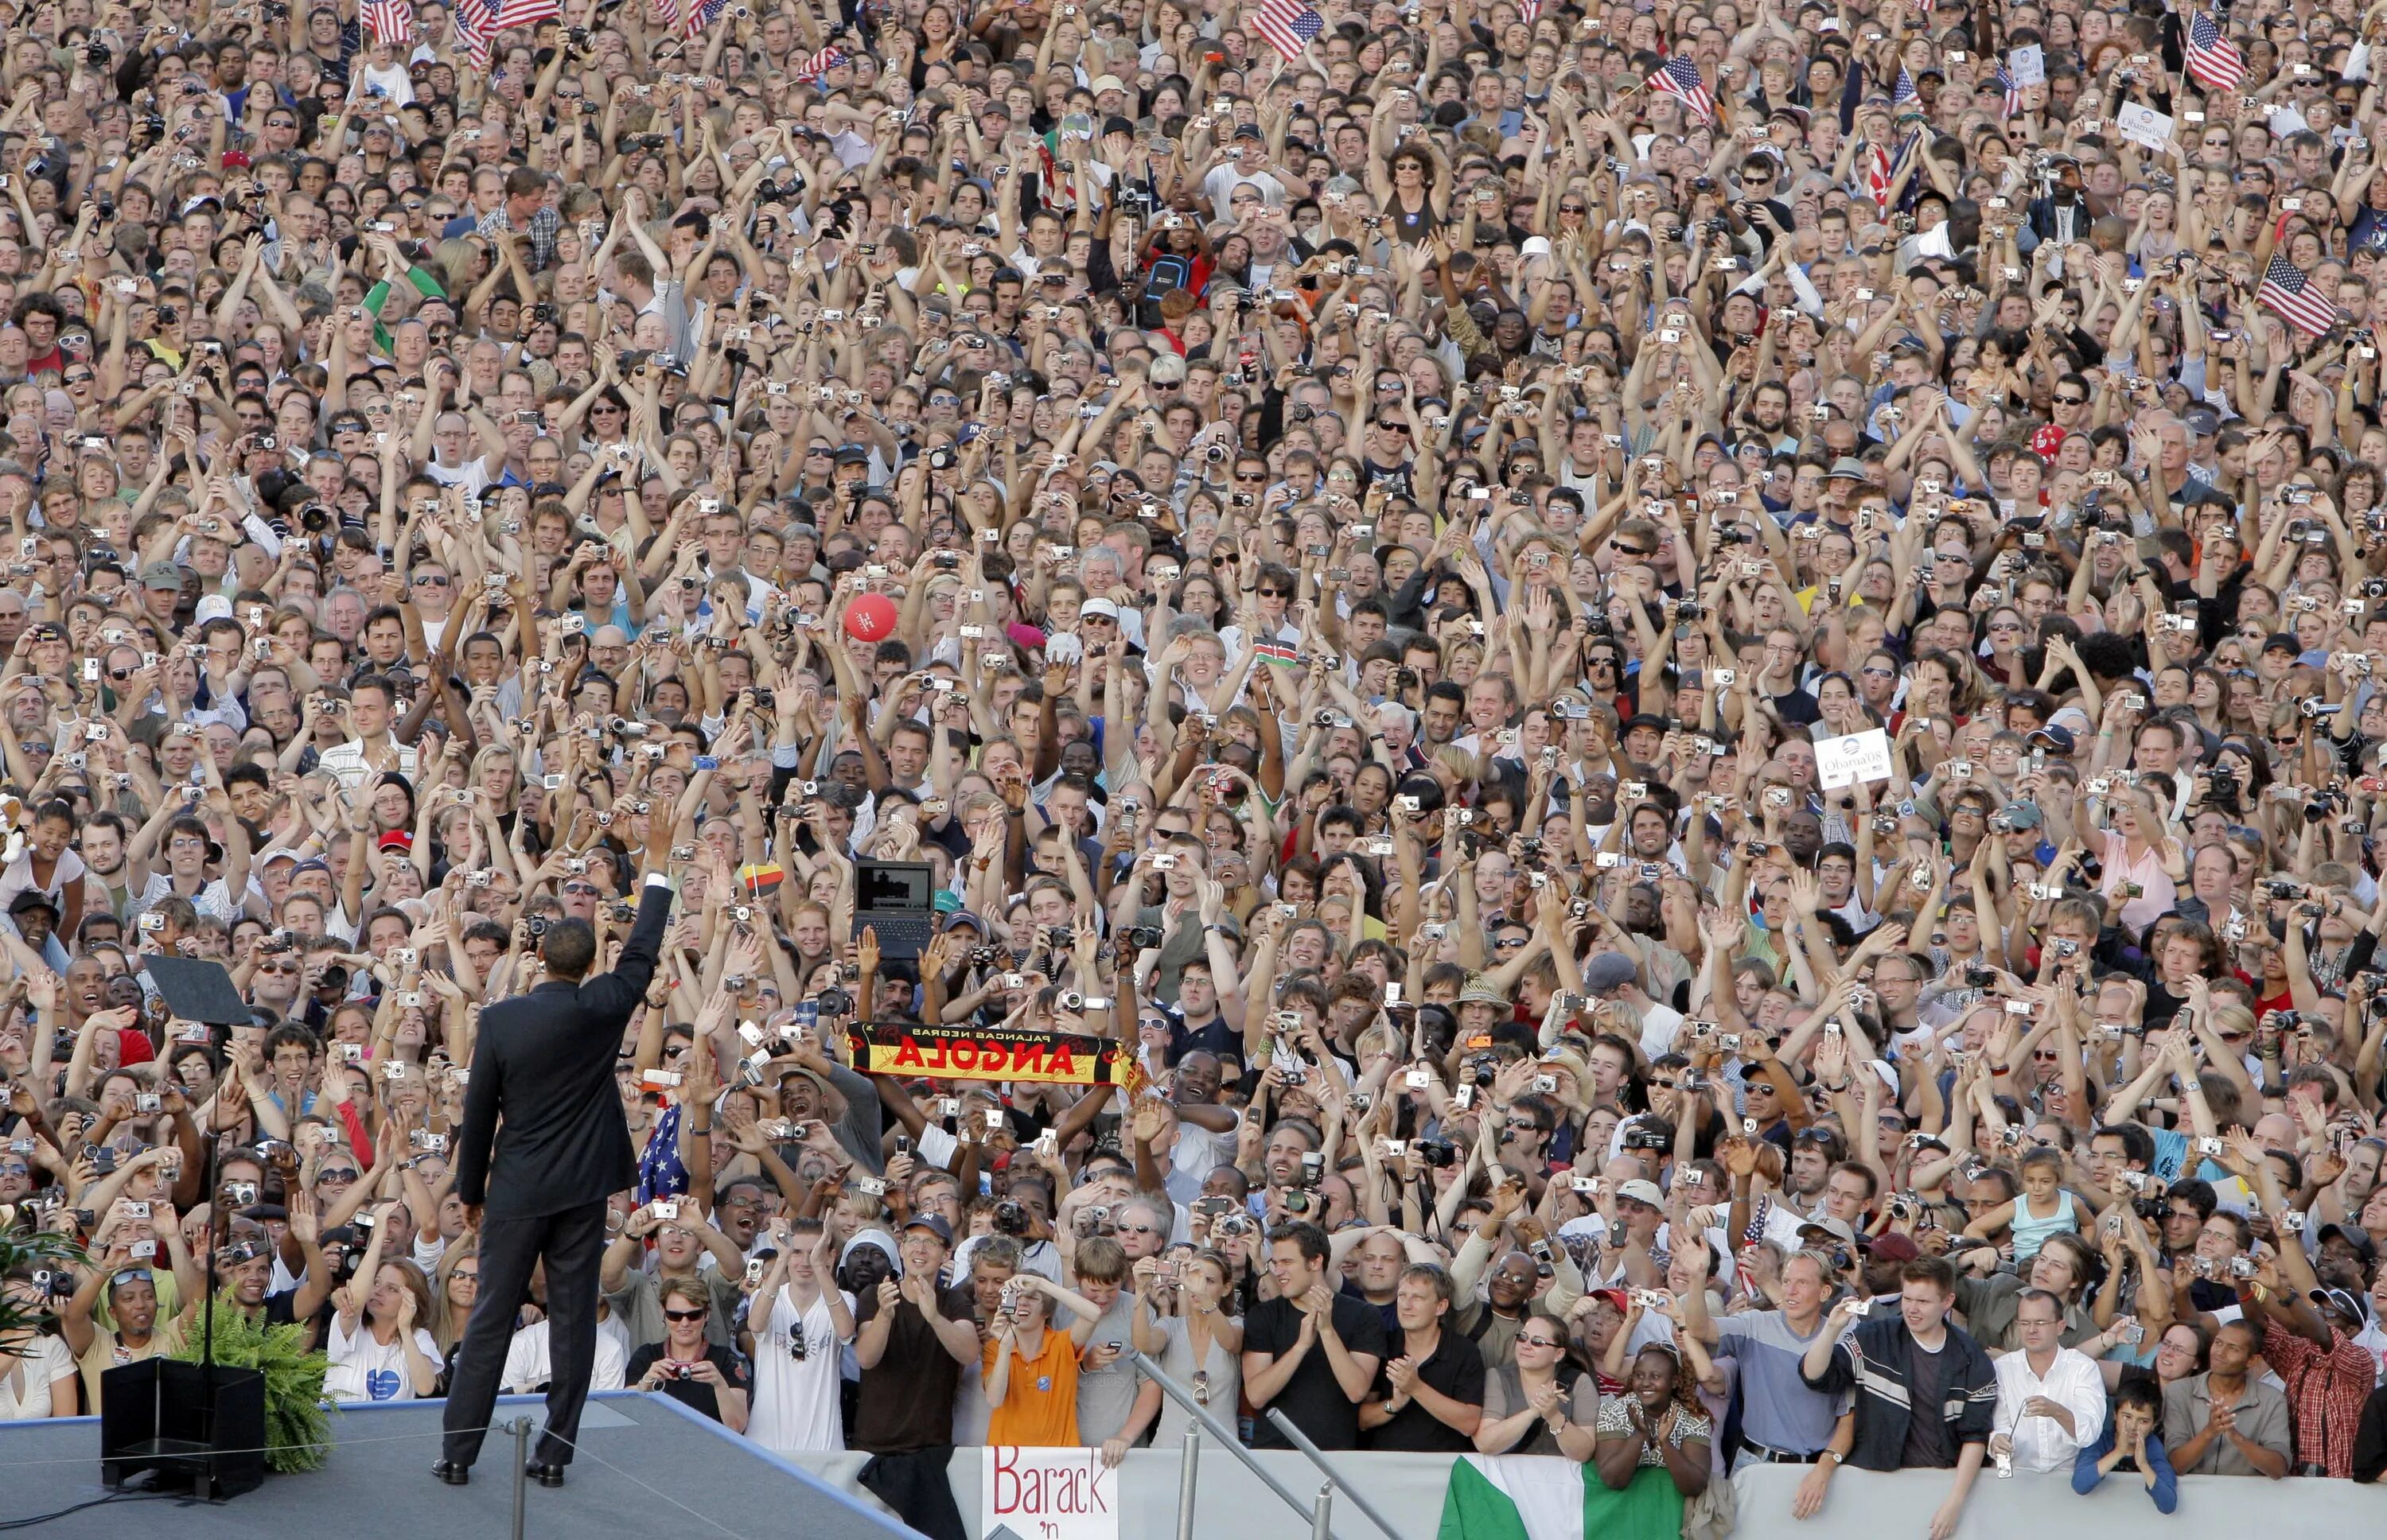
x: 2157, y: 894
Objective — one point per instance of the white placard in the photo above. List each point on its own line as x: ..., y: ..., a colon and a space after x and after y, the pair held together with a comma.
x: 2142, y: 125
x: 1061, y: 1494
x: 1858, y: 757
x: 2028, y: 65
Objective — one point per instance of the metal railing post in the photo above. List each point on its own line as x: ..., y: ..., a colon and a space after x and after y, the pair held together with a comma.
x: 1225, y: 1437
x: 1300, y: 1440
x: 1190, y: 1465
x: 1318, y: 1525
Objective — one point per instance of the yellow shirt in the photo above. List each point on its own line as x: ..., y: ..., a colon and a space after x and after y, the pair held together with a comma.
x: 107, y: 1352
x: 1040, y: 1406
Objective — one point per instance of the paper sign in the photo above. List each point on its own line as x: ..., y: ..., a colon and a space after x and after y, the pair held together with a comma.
x: 1858, y: 757
x: 2028, y: 65
x: 1059, y: 1494
x: 2142, y: 125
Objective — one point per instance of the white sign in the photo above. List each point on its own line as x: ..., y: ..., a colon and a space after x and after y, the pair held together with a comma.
x: 2028, y: 65
x: 2144, y: 125
x: 1064, y: 1494
x: 1858, y: 757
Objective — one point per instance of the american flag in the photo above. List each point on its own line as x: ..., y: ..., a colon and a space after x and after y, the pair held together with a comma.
x: 1289, y: 26
x: 701, y: 15
x: 475, y: 20
x: 2286, y: 293
x: 2212, y: 60
x: 1529, y: 11
x: 818, y: 65
x: 2005, y: 81
x: 1884, y: 168
x: 1680, y: 77
x: 1903, y: 92
x: 390, y: 20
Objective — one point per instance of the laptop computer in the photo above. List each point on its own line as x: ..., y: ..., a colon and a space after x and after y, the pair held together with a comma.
x: 899, y: 897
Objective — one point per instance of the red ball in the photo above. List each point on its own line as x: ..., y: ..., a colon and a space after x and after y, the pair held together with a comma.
x: 870, y: 618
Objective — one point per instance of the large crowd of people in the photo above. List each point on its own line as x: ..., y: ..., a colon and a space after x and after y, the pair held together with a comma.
x: 1418, y: 598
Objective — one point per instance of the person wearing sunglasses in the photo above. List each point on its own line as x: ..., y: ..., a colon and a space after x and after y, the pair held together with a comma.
x: 699, y: 1374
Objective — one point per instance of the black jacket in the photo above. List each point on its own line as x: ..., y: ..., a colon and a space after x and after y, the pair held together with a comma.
x: 1871, y: 1360
x: 545, y: 1063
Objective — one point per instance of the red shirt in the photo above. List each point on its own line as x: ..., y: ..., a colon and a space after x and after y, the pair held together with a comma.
x: 2326, y: 1390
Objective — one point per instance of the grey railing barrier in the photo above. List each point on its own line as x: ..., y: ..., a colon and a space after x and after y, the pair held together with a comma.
x: 1316, y: 1515
x: 1317, y: 1457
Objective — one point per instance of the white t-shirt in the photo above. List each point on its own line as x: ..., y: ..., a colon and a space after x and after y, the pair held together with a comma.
x: 530, y: 1364
x: 363, y: 1369
x: 794, y: 1402
x: 25, y: 1385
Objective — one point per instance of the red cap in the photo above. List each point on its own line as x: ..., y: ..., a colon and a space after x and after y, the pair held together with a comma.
x: 397, y: 839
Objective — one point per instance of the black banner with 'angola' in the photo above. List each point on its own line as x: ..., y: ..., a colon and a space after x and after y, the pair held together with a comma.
x: 967, y: 1054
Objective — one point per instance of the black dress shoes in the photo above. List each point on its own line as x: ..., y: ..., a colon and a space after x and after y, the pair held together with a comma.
x: 452, y: 1473
x: 544, y: 1473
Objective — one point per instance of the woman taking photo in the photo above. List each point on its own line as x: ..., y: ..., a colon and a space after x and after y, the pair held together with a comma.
x: 683, y: 1366
x: 1652, y: 1453
x: 1198, y: 1342
x: 801, y: 1321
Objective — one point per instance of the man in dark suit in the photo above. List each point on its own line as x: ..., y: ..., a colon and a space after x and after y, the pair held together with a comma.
x: 544, y: 1065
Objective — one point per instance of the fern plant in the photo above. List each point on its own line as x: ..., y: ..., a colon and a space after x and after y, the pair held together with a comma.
x: 298, y: 1426
x: 41, y: 1251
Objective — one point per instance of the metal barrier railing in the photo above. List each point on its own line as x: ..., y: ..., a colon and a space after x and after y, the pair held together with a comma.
x: 1317, y: 1457
x: 1320, y: 1514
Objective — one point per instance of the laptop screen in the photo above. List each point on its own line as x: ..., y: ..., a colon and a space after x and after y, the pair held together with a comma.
x: 899, y: 885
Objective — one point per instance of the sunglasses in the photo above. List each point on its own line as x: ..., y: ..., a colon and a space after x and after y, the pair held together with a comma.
x: 686, y: 1315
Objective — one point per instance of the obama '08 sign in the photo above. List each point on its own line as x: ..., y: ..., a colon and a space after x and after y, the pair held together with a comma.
x: 1858, y: 757
x: 1059, y: 1494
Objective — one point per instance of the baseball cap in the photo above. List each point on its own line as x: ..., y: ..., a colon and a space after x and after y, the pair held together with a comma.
x: 934, y: 1224
x: 32, y: 898
x: 2355, y: 1236
x: 1892, y: 1247
x: 1098, y: 607
x: 2058, y: 739
x: 213, y: 606
x: 2340, y: 1301
x: 2204, y: 421
x: 964, y: 916
x: 162, y: 574
x: 1641, y: 1190
x: 1835, y: 1228
x: 1607, y: 971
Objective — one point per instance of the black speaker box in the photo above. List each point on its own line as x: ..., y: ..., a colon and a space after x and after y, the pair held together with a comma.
x: 202, y: 1429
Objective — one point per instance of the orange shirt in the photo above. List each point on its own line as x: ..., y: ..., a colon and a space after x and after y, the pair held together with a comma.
x: 1040, y: 1406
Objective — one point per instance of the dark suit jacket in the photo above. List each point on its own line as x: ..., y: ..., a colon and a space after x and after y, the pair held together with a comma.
x: 544, y: 1063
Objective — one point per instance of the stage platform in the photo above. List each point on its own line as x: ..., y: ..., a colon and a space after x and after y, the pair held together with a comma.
x: 645, y: 1462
